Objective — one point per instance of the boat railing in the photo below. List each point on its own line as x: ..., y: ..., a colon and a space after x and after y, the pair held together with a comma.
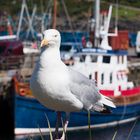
x: 27, y: 44
x: 17, y: 61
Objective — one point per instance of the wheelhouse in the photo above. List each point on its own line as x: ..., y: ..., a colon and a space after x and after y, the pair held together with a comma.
x: 108, y: 68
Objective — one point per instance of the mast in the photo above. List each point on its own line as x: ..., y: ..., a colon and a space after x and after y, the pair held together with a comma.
x: 29, y: 19
x: 21, y: 17
x: 54, y: 15
x: 97, y: 23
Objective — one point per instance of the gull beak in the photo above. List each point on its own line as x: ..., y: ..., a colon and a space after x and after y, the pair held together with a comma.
x: 44, y: 42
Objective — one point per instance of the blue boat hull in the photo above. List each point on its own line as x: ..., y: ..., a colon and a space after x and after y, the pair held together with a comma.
x: 29, y: 113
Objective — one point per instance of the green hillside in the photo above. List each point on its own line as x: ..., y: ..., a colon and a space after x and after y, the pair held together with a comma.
x: 80, y: 10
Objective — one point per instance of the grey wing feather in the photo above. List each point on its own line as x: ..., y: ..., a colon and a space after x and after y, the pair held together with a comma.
x: 84, y: 89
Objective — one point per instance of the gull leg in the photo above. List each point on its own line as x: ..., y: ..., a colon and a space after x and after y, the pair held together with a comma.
x: 57, y: 125
x: 65, y: 126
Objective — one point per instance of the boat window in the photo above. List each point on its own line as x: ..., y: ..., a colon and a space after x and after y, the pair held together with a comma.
x: 82, y: 58
x: 90, y: 76
x: 96, y: 76
x: 102, y: 78
x: 65, y: 47
x: 122, y: 77
x: 110, y: 78
x: 93, y: 58
x: 106, y: 59
x: 118, y: 59
x: 2, y: 49
x: 122, y: 59
x: 119, y: 76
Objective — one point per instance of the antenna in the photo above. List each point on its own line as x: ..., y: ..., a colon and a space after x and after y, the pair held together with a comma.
x: 105, y: 31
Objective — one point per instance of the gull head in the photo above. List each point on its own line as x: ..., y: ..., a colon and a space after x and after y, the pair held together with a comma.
x: 51, y: 38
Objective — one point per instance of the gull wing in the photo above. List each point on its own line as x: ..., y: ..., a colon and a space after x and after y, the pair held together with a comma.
x: 84, y: 89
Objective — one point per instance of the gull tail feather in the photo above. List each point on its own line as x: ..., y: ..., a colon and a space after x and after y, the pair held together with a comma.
x: 99, y: 107
x: 107, y: 101
x: 103, y: 105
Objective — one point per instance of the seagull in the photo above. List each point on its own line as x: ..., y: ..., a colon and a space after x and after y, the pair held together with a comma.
x: 61, y: 88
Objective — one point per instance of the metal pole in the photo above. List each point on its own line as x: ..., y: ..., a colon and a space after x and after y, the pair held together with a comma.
x: 30, y: 20
x: 108, y: 20
x: 21, y: 17
x: 97, y: 23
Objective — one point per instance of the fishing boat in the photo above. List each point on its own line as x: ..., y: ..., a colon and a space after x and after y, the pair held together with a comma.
x: 9, y: 43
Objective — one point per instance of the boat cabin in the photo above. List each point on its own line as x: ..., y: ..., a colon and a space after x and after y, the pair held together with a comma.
x: 108, y: 68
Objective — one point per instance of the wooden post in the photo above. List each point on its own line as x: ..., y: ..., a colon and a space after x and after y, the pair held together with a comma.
x: 54, y: 14
x: 7, y: 122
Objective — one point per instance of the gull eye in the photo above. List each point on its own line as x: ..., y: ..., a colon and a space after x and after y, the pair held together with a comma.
x: 55, y: 35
